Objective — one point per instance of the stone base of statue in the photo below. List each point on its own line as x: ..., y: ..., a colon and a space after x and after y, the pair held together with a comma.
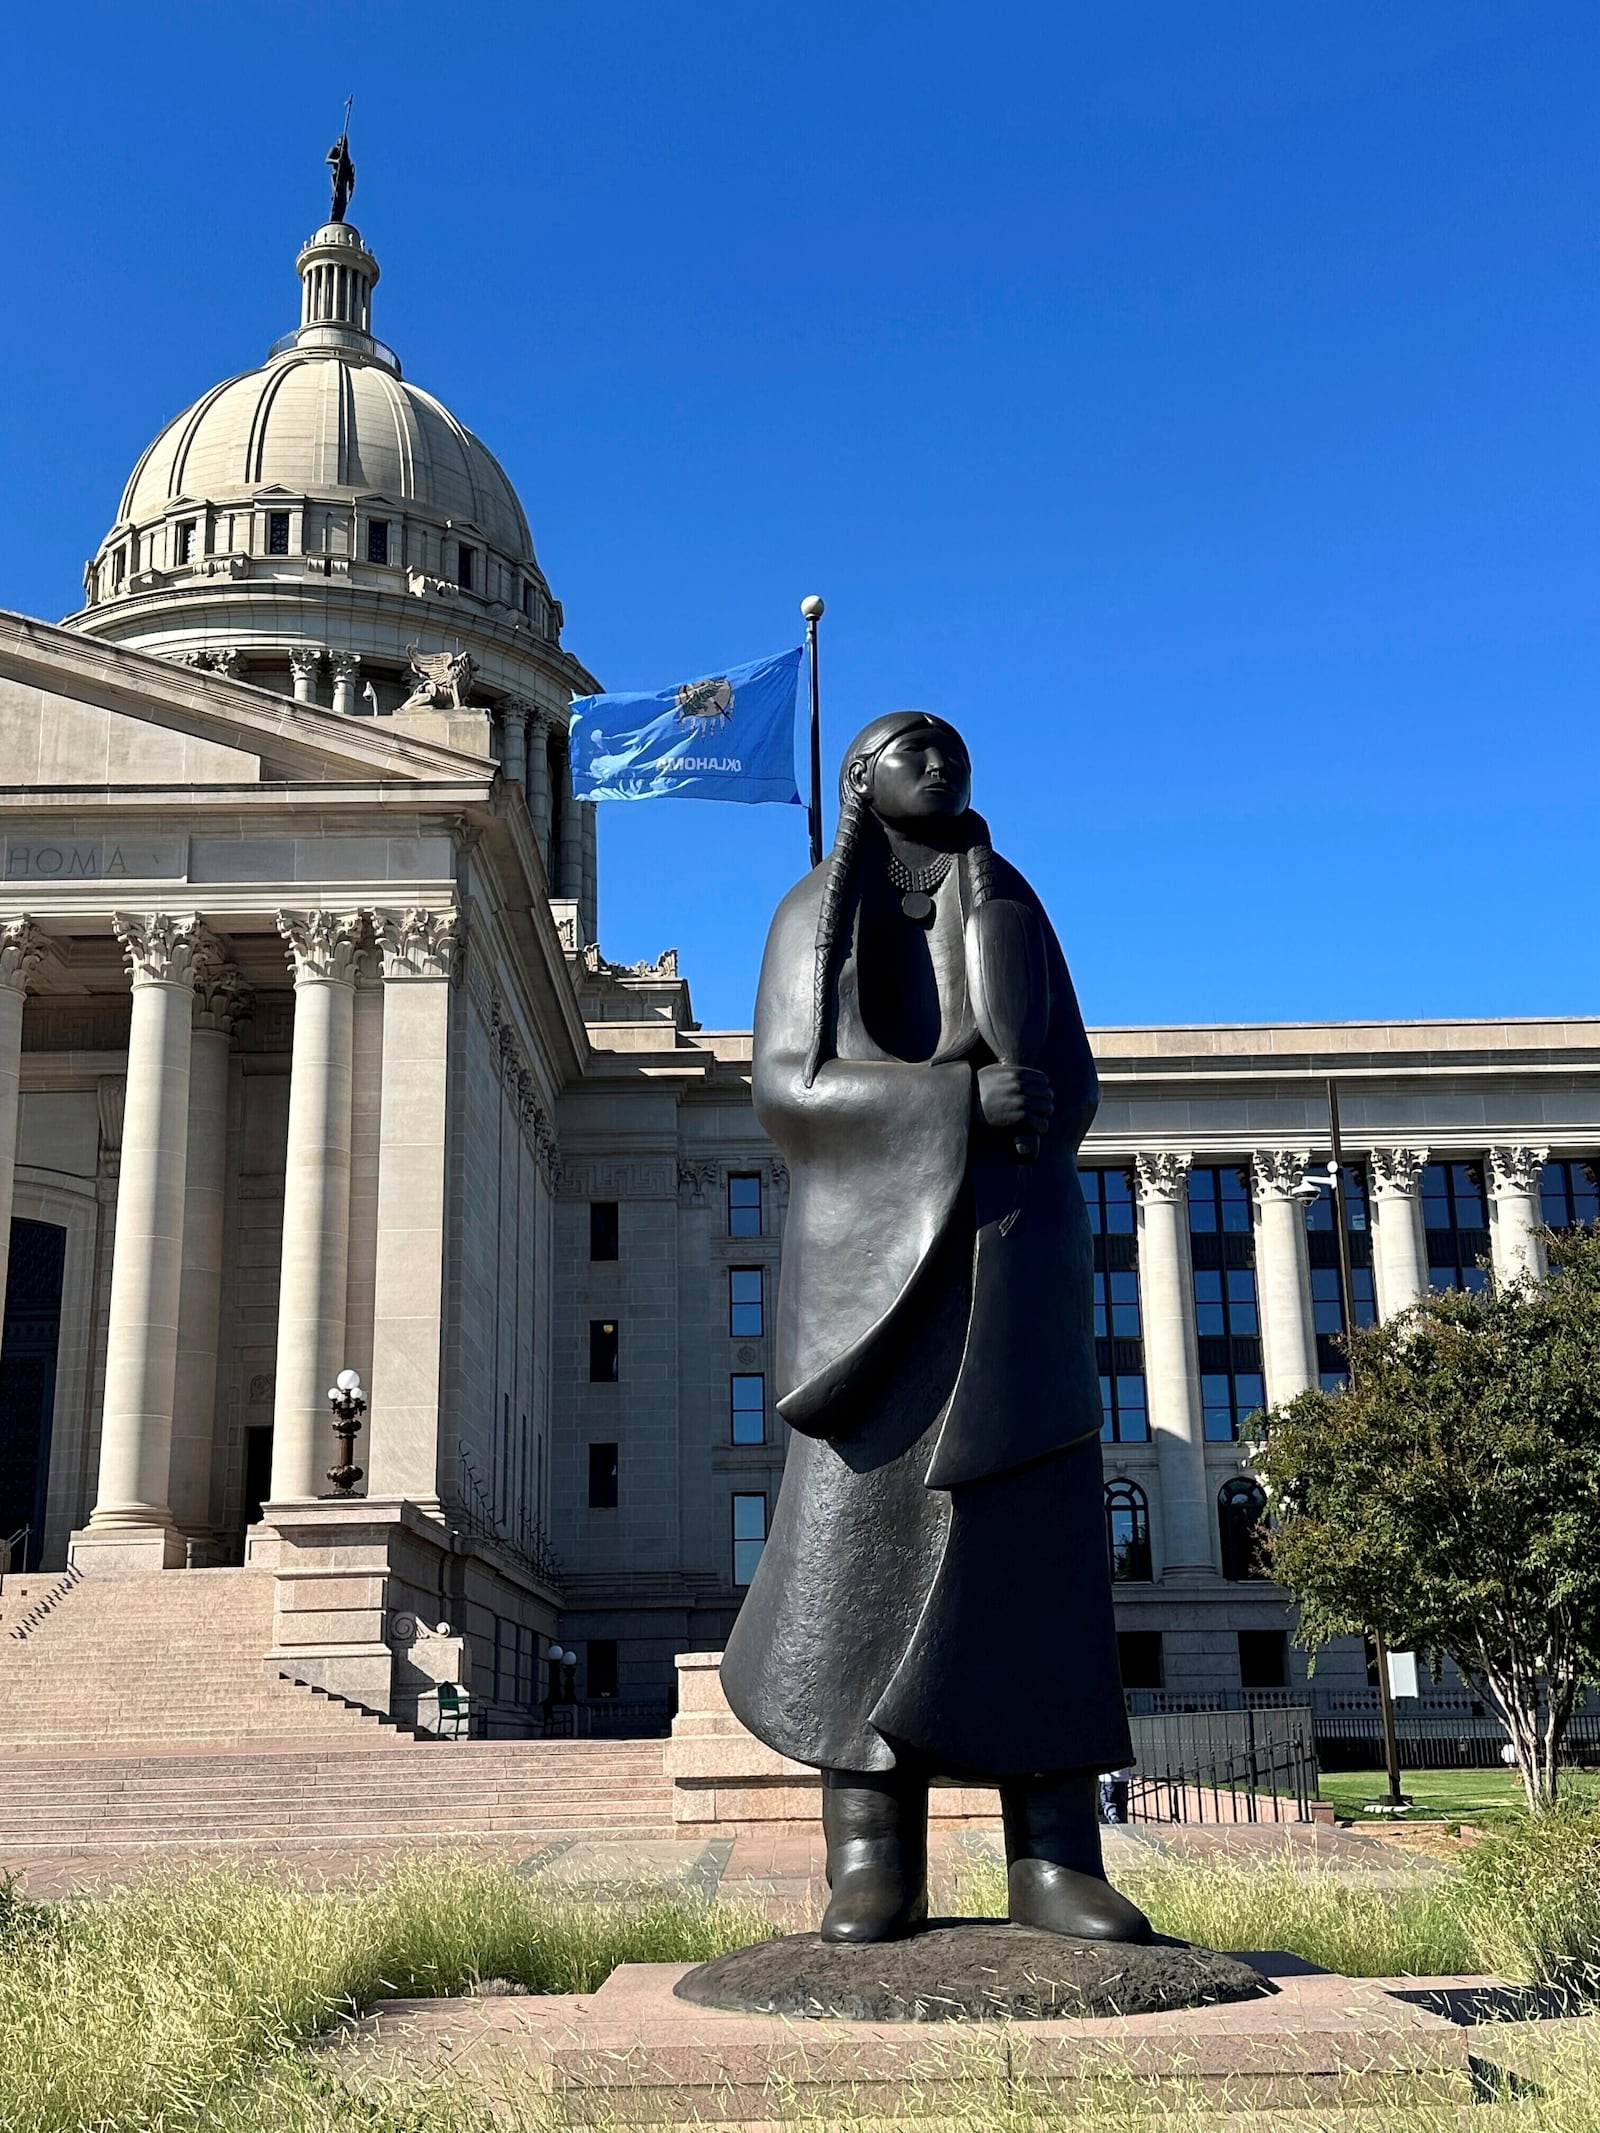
x: 966, y: 1970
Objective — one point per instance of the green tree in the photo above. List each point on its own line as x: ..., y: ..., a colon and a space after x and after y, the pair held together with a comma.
x: 1449, y: 1497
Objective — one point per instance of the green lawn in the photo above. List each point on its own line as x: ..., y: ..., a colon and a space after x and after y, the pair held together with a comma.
x: 1452, y: 1795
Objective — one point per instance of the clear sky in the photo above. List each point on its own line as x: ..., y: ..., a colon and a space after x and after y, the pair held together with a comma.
x: 1195, y: 402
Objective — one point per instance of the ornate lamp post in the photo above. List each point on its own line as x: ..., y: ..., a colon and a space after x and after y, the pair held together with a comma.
x: 349, y: 1404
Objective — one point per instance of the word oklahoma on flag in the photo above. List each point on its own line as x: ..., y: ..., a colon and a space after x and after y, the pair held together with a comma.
x: 729, y: 736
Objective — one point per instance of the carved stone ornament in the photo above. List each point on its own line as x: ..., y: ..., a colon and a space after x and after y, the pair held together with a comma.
x: 346, y: 665
x: 161, y: 949
x: 22, y: 949
x: 443, y: 680
x: 221, y: 999
x: 1162, y: 1173
x: 1276, y: 1172
x: 416, y: 943
x: 323, y: 944
x: 111, y: 1097
x: 1516, y: 1170
x: 1397, y: 1172
x: 696, y: 1177
x: 305, y: 660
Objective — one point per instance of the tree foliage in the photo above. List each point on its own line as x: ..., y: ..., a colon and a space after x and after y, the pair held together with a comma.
x: 1449, y: 1497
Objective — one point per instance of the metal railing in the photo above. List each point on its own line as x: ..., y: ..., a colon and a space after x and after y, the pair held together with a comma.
x: 1224, y: 1767
x: 522, y: 1537
x: 14, y: 1551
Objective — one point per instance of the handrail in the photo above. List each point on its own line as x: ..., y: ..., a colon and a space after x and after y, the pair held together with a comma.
x: 15, y: 1543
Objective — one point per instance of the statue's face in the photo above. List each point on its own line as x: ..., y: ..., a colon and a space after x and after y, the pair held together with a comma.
x: 920, y: 776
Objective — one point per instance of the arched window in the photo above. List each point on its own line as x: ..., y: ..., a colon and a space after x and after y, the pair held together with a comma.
x: 1128, y: 1532
x: 1241, y: 1519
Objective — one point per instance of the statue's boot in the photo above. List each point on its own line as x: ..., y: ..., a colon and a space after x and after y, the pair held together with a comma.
x: 876, y: 1825
x: 1053, y: 1867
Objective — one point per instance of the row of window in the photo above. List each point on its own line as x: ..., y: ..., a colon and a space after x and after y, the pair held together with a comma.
x: 470, y: 573
x: 1263, y: 1658
x: 1241, y: 1518
x: 747, y: 1314
x: 749, y: 1510
x: 743, y: 1207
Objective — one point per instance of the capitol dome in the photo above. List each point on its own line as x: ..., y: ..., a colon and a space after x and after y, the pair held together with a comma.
x: 308, y: 525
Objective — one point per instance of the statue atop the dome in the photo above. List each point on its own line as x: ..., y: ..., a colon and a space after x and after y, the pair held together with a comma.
x: 344, y: 171
x: 443, y: 680
x: 935, y: 1596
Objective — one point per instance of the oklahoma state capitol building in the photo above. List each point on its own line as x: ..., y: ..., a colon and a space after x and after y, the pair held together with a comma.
x: 310, y: 1060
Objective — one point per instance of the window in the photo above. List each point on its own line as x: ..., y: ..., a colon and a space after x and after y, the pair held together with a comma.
x: 601, y: 1655
x: 1128, y: 1532
x: 1139, y: 1653
x: 119, y: 565
x: 466, y: 566
x: 749, y: 1536
x: 603, y: 1359
x: 1241, y: 1518
x: 1569, y: 1193
x: 184, y: 551
x: 1322, y: 1243
x: 744, y: 1302
x: 604, y: 1229
x: 377, y: 540
x: 1225, y: 1313
x: 602, y: 1477
x: 1118, y: 1328
x: 744, y: 1207
x: 1263, y: 1659
x: 748, y: 1400
x: 277, y: 533
x: 1456, y: 1218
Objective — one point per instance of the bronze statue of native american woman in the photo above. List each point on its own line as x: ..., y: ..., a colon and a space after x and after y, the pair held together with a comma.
x: 935, y: 1596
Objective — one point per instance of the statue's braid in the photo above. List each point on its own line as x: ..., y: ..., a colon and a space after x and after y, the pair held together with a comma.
x: 980, y: 862
x: 829, y: 917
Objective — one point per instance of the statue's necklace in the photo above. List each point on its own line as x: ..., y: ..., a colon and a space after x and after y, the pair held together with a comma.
x: 915, y: 883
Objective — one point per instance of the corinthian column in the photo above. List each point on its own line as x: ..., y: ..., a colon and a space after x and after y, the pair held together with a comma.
x: 408, y: 1316
x: 538, y: 788
x: 1400, y: 1243
x: 1171, y: 1364
x: 569, y: 860
x: 1283, y: 1273
x: 346, y: 673
x: 323, y: 946
x: 131, y: 1526
x: 1518, y: 1215
x: 304, y: 663
x: 21, y: 947
x: 514, y: 741
x: 589, y: 876
x: 219, y: 1002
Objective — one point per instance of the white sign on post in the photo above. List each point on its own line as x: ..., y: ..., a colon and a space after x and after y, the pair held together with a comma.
x: 1403, y: 1674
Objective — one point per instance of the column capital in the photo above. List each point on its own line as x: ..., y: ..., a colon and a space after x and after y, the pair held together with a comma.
x: 305, y: 659
x: 22, y: 949
x: 1397, y: 1172
x: 323, y: 945
x: 161, y: 948
x: 345, y: 665
x: 1161, y: 1174
x: 221, y: 998
x: 1516, y: 1169
x: 1275, y: 1173
x: 417, y: 943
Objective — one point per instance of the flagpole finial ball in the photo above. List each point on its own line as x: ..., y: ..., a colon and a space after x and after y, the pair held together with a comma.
x: 811, y: 607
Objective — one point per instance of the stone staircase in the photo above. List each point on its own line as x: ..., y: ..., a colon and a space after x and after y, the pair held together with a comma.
x: 338, y: 1803
x: 172, y: 1660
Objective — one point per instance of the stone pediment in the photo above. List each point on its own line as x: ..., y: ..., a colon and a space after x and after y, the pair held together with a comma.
x: 75, y: 711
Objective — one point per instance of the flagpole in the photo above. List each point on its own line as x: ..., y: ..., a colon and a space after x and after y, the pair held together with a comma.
x: 811, y: 608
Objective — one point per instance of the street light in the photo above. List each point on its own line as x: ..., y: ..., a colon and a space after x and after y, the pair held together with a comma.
x: 1314, y: 1185
x: 349, y: 1404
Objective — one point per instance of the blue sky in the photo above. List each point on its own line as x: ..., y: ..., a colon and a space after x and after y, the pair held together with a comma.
x: 1195, y: 403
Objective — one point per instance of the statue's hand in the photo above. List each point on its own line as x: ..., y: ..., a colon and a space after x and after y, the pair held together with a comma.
x: 1015, y: 1099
